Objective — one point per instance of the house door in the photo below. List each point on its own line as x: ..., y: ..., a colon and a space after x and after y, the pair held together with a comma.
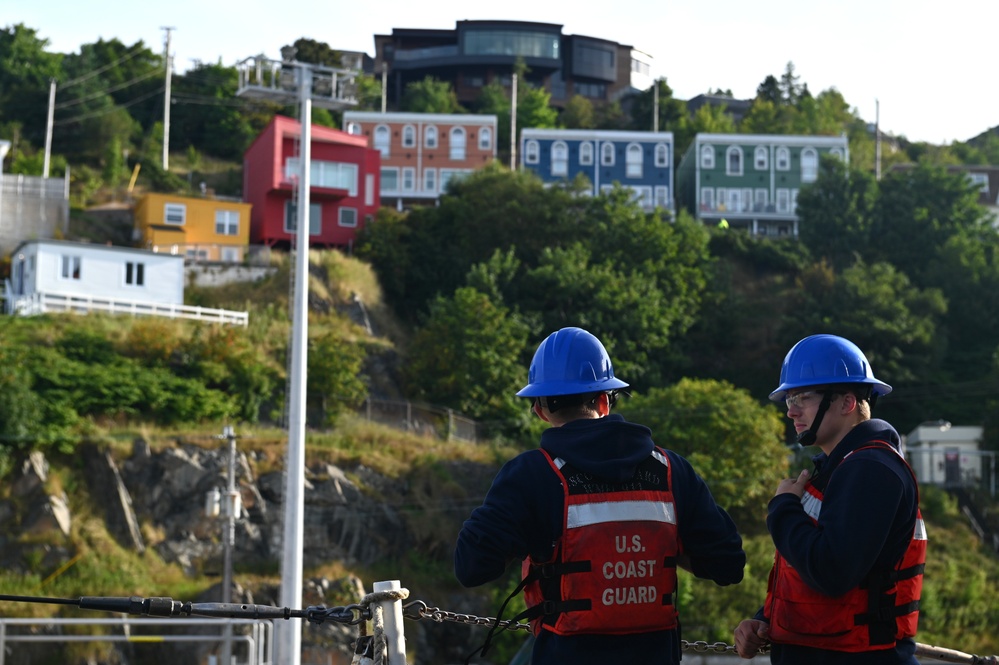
x: 952, y: 467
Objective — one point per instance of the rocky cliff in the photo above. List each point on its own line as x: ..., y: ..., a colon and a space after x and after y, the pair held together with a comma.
x: 154, y: 502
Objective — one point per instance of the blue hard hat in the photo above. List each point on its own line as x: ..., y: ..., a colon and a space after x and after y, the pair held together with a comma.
x: 570, y: 361
x: 820, y: 360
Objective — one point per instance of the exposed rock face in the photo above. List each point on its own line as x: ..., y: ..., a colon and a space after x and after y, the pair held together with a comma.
x: 358, y: 520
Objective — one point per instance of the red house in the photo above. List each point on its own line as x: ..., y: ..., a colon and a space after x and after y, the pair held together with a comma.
x: 344, y: 189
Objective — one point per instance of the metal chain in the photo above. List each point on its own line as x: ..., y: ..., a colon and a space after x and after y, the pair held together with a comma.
x: 420, y: 610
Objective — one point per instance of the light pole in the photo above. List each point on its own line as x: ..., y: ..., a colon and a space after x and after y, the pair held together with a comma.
x: 261, y: 77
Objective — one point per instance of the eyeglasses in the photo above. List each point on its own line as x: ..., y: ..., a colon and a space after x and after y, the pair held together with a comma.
x: 798, y: 400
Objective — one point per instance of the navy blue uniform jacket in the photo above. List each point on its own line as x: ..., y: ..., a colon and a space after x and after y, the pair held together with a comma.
x: 867, y: 519
x: 522, y: 515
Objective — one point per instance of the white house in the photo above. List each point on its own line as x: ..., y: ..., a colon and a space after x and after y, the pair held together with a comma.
x: 58, y: 275
x: 948, y: 456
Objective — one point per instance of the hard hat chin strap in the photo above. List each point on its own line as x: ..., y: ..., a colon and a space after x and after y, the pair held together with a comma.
x: 807, y: 438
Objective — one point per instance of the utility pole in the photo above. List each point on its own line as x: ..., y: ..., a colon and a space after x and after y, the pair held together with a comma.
x: 48, y: 129
x: 655, y: 106
x: 168, y: 59
x: 231, y: 509
x: 513, y: 122
x: 384, y: 84
x: 877, y: 140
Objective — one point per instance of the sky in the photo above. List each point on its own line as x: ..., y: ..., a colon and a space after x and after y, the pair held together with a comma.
x: 923, y: 69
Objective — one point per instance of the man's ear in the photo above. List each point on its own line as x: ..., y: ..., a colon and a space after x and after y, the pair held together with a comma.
x: 603, y: 404
x: 850, y: 403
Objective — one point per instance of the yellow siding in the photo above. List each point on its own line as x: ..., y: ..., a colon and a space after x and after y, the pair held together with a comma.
x: 196, y: 235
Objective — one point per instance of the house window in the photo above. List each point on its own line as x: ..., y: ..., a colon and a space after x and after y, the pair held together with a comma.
x: 783, y: 200
x: 485, y: 139
x: 809, y: 165
x: 332, y: 175
x: 662, y: 154
x: 430, y: 181
x: 135, y: 273
x: 408, y: 136
x: 644, y: 197
x: 174, y: 213
x: 837, y: 153
x: 390, y: 179
x: 531, y: 152
x: 783, y: 159
x: 760, y: 158
x: 353, y: 128
x: 457, y: 144
x: 447, y: 175
x: 348, y: 217
x: 408, y: 179
x: 382, y: 140
x: 662, y: 197
x: 707, y: 198
x: 607, y: 154
x: 760, y: 200
x: 369, y: 189
x: 430, y: 137
x: 734, y: 200
x: 586, y: 153
x: 980, y: 181
x: 226, y: 222
x: 733, y: 161
x: 633, y: 162
x: 560, y: 159
x: 291, y: 217
x: 231, y: 255
x: 707, y: 157
x: 70, y: 266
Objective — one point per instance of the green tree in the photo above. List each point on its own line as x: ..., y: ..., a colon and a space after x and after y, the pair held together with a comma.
x: 25, y: 72
x: 468, y: 356
x: 712, y: 119
x: 534, y: 108
x: 430, y: 96
x: 334, y: 376
x: 735, y: 443
x: 836, y: 213
x: 769, y: 91
x: 578, y: 113
x: 315, y: 52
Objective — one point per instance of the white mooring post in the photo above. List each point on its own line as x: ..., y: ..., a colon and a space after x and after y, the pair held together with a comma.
x: 395, y: 636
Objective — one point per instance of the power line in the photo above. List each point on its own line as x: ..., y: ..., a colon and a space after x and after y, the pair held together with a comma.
x: 112, y: 109
x: 103, y: 69
x: 114, y: 88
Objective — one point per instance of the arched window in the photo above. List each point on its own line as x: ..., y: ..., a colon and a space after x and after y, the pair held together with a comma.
x: 586, y: 153
x: 353, y: 128
x: 707, y: 157
x: 837, y: 153
x: 733, y: 161
x: 760, y: 158
x: 809, y: 165
x: 531, y: 152
x: 382, y: 139
x: 633, y: 161
x: 485, y: 139
x: 783, y: 159
x: 607, y: 154
x: 560, y: 159
x: 430, y: 137
x: 457, y: 143
x: 409, y: 136
x: 662, y: 154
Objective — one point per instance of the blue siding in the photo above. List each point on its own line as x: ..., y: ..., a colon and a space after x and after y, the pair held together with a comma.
x: 656, y: 182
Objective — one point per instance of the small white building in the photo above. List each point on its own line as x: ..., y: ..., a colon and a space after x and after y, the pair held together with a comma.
x: 59, y: 275
x: 948, y: 456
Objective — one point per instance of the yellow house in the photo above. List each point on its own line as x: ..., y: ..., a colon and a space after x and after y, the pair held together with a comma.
x: 202, y: 229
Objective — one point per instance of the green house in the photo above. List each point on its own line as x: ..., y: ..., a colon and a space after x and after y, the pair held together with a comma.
x: 751, y: 181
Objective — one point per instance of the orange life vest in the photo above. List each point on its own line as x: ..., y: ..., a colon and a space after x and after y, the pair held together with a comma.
x: 872, y: 616
x: 613, y: 570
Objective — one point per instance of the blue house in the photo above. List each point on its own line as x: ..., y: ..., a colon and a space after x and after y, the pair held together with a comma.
x: 641, y: 161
